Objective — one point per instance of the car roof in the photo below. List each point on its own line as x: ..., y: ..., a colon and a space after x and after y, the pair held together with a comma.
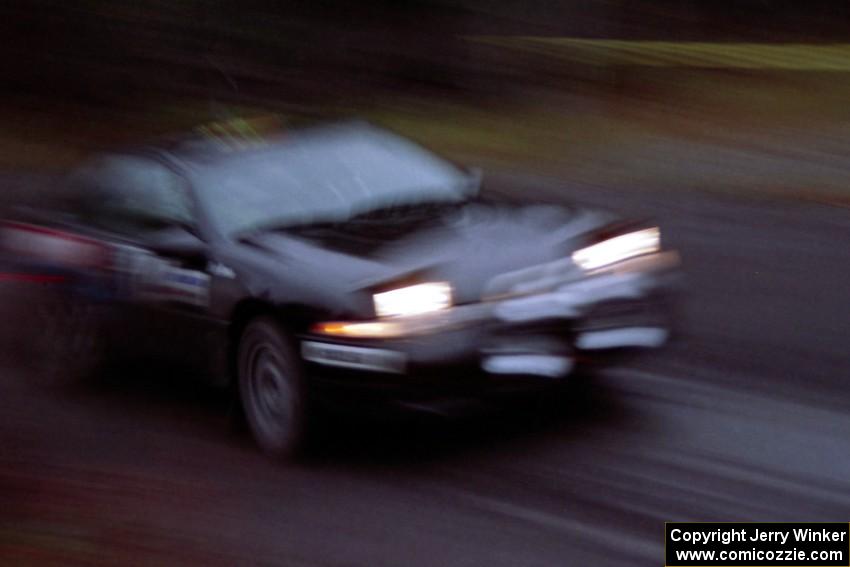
x: 207, y: 149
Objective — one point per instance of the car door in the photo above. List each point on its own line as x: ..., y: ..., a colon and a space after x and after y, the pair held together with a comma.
x: 160, y: 260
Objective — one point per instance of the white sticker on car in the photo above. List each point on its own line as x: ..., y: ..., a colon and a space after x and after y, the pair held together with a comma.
x: 179, y: 285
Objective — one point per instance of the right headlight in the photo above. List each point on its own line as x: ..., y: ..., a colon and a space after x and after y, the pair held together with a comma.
x: 618, y: 248
x: 413, y: 300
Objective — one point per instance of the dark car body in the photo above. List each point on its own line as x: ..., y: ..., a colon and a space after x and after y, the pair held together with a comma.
x: 178, y: 248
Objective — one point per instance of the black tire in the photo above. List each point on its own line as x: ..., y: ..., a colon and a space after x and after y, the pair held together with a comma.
x: 271, y: 388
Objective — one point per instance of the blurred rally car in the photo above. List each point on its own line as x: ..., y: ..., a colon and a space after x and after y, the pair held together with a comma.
x: 332, y: 263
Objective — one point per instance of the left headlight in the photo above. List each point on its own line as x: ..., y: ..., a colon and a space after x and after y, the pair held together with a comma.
x: 414, y: 299
x: 619, y: 248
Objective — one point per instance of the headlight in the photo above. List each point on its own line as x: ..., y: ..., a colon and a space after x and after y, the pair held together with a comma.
x: 413, y: 300
x: 618, y: 249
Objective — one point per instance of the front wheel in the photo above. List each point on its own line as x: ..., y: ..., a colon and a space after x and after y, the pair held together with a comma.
x: 271, y: 388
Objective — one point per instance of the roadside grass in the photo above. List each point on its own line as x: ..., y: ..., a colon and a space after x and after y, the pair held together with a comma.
x: 772, y: 134
x: 768, y: 133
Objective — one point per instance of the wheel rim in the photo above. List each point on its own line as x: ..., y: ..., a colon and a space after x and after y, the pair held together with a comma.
x: 270, y: 393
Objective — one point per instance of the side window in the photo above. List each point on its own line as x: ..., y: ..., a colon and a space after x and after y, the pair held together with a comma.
x: 131, y: 195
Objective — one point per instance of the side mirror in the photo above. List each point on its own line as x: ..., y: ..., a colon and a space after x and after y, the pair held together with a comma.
x: 476, y: 175
x: 177, y: 241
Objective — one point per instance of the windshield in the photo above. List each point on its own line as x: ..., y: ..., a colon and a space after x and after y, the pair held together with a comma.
x: 327, y: 176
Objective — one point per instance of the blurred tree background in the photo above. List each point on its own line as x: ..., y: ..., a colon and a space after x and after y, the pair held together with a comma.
x: 88, y: 74
x: 304, y: 52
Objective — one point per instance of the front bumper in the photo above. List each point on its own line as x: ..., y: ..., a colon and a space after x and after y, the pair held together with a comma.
x: 517, y: 342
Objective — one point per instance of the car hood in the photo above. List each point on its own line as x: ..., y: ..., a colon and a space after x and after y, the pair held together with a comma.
x: 467, y: 246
